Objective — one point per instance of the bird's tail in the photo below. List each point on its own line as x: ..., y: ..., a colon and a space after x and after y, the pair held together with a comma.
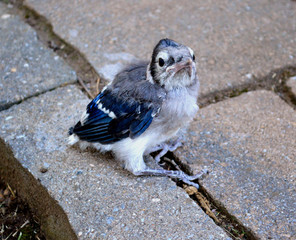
x: 71, y: 131
x: 73, y: 138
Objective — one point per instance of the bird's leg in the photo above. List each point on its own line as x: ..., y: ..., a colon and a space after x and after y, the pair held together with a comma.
x: 165, y: 147
x: 179, y: 174
x: 173, y: 174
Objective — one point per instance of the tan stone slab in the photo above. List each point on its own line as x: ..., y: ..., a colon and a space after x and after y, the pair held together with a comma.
x: 249, y: 145
x: 233, y: 40
x: 101, y: 200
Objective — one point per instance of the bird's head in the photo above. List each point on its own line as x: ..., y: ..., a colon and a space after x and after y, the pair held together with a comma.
x: 172, y: 65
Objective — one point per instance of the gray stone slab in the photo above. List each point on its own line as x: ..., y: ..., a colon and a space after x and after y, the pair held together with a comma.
x: 248, y: 144
x: 233, y: 40
x: 101, y: 200
x: 26, y: 66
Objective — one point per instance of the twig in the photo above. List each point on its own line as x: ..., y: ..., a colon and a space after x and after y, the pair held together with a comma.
x: 8, y: 236
x: 11, y: 190
x: 204, y: 203
x: 2, y: 229
x: 98, y: 84
x: 85, y: 88
x: 25, y: 223
x: 230, y: 233
x: 15, y: 212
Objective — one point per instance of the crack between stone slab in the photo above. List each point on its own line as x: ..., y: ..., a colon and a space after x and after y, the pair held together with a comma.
x: 211, y: 206
x: 54, y: 222
x: 9, y: 105
x: 71, y: 55
x: 275, y: 81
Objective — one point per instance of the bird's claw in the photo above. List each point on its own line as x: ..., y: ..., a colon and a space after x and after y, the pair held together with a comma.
x: 199, y: 175
x: 189, y: 179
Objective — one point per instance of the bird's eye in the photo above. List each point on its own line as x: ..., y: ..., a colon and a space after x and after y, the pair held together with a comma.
x: 193, y: 57
x: 160, y: 62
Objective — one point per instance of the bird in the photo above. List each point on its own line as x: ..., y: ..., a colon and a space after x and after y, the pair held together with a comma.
x: 142, y: 110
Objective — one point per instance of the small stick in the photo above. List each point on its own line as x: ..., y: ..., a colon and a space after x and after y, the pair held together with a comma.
x: 98, y: 84
x: 85, y: 88
x: 10, y: 190
x: 25, y: 223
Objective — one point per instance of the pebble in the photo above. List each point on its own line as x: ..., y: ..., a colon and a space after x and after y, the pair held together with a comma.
x: 43, y: 170
x: 5, y: 16
x: 73, y: 32
x: 249, y: 75
x: 8, y: 118
x: 155, y: 200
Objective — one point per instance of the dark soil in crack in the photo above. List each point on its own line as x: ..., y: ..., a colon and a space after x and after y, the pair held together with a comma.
x: 16, y: 220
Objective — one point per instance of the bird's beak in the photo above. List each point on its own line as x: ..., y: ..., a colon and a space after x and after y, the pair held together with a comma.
x: 187, y: 63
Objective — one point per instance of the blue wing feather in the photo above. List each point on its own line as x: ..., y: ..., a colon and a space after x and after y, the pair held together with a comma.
x: 139, y: 126
x: 132, y: 119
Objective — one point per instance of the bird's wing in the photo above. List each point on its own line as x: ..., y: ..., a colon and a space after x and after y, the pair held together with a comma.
x: 110, y: 118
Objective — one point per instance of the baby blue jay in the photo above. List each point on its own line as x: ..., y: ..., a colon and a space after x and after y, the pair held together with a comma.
x: 143, y: 108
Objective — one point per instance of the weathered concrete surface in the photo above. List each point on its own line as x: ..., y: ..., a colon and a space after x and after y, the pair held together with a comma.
x: 233, y: 40
x: 248, y: 144
x: 26, y: 66
x: 100, y: 199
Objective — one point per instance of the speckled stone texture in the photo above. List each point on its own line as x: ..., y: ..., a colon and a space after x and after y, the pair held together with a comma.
x: 233, y: 40
x: 101, y: 200
x: 27, y: 67
x: 248, y: 144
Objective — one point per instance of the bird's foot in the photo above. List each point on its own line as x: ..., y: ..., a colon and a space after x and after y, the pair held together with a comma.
x: 174, y: 174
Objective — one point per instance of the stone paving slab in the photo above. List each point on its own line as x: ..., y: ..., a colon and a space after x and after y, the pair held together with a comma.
x: 101, y: 200
x: 26, y: 66
x: 233, y: 40
x: 248, y: 144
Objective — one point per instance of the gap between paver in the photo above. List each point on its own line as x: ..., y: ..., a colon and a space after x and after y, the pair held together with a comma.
x: 212, y: 207
x: 35, y: 95
x: 274, y: 81
x: 54, y: 221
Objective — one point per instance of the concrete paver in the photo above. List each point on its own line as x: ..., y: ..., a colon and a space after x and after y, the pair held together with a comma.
x: 101, y: 200
x: 233, y: 40
x: 26, y: 66
x: 248, y: 144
